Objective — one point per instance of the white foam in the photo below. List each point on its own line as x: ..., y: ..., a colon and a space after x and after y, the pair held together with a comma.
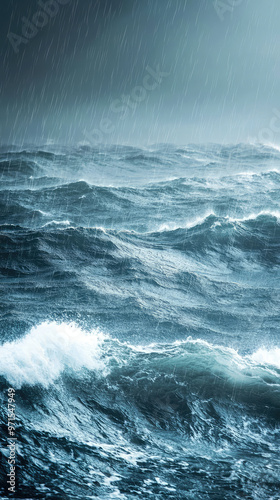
x: 267, y: 357
x: 57, y: 223
x: 47, y: 351
x: 272, y: 145
x: 42, y: 212
x: 172, y: 226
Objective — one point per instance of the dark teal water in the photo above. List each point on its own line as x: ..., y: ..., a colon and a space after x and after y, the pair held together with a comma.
x: 139, y: 321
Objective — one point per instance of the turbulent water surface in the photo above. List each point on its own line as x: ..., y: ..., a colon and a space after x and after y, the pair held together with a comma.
x: 140, y: 321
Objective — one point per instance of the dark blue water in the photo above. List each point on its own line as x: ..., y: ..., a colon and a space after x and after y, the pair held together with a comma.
x: 139, y: 321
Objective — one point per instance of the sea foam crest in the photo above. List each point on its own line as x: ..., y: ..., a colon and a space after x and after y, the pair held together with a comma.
x: 267, y: 357
x: 47, y: 351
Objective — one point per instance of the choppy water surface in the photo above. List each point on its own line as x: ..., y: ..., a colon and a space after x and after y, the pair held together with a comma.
x: 139, y: 321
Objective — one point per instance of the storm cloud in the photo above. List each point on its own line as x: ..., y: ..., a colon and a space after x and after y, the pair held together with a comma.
x: 85, y: 71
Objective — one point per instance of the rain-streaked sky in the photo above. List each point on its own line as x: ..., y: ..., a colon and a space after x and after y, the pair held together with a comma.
x: 140, y: 71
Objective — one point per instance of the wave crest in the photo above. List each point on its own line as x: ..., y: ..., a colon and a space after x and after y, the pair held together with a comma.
x: 47, y: 351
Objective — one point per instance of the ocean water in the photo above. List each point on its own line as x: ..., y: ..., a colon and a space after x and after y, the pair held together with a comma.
x: 139, y: 321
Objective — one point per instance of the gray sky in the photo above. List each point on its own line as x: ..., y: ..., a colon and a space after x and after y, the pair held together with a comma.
x: 87, y: 74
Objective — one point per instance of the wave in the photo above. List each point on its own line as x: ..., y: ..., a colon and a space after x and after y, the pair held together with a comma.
x: 17, y: 213
x: 254, y: 238
x: 165, y: 414
x: 215, y: 219
x: 42, y: 355
x: 267, y: 357
x: 30, y: 152
x: 142, y: 158
x: 52, y: 349
x: 248, y: 151
x: 30, y: 252
x: 18, y: 168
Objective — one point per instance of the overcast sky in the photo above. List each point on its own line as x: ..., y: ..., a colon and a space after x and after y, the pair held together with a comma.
x: 140, y: 71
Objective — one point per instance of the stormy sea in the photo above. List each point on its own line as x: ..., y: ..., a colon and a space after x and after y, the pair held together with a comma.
x: 139, y: 321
